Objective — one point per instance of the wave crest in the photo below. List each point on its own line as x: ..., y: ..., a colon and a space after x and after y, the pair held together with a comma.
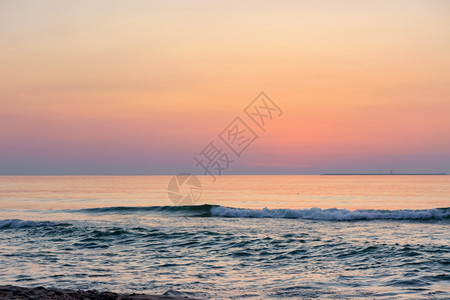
x: 187, y: 210
x: 333, y: 214
x: 17, y: 223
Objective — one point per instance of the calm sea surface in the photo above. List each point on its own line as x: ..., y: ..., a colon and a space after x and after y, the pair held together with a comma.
x: 255, y: 237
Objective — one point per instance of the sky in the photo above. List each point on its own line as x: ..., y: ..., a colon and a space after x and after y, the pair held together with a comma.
x: 142, y: 87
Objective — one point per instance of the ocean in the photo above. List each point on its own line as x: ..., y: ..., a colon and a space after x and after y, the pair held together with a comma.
x: 247, y: 237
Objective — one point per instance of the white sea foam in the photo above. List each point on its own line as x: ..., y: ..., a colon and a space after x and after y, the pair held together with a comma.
x: 332, y: 214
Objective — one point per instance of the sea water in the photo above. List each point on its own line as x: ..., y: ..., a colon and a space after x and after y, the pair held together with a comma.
x: 255, y: 237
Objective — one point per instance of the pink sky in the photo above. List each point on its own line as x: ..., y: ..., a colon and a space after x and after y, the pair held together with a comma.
x: 140, y: 87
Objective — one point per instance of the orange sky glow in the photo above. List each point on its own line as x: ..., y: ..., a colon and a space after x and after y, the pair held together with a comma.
x: 140, y: 87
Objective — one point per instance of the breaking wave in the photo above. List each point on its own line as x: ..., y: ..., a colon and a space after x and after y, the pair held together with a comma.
x: 206, y: 211
x: 333, y: 214
x: 17, y: 223
x: 330, y: 214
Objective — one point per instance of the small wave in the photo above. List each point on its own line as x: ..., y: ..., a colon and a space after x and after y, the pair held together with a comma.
x: 189, y: 210
x: 330, y: 214
x: 17, y: 223
x: 333, y: 214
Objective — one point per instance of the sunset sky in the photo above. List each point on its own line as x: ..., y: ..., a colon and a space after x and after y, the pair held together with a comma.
x: 141, y: 87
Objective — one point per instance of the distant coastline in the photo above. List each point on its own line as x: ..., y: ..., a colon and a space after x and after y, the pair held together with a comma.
x: 380, y: 174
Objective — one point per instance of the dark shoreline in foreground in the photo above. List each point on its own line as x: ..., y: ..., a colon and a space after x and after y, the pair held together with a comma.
x: 16, y: 292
